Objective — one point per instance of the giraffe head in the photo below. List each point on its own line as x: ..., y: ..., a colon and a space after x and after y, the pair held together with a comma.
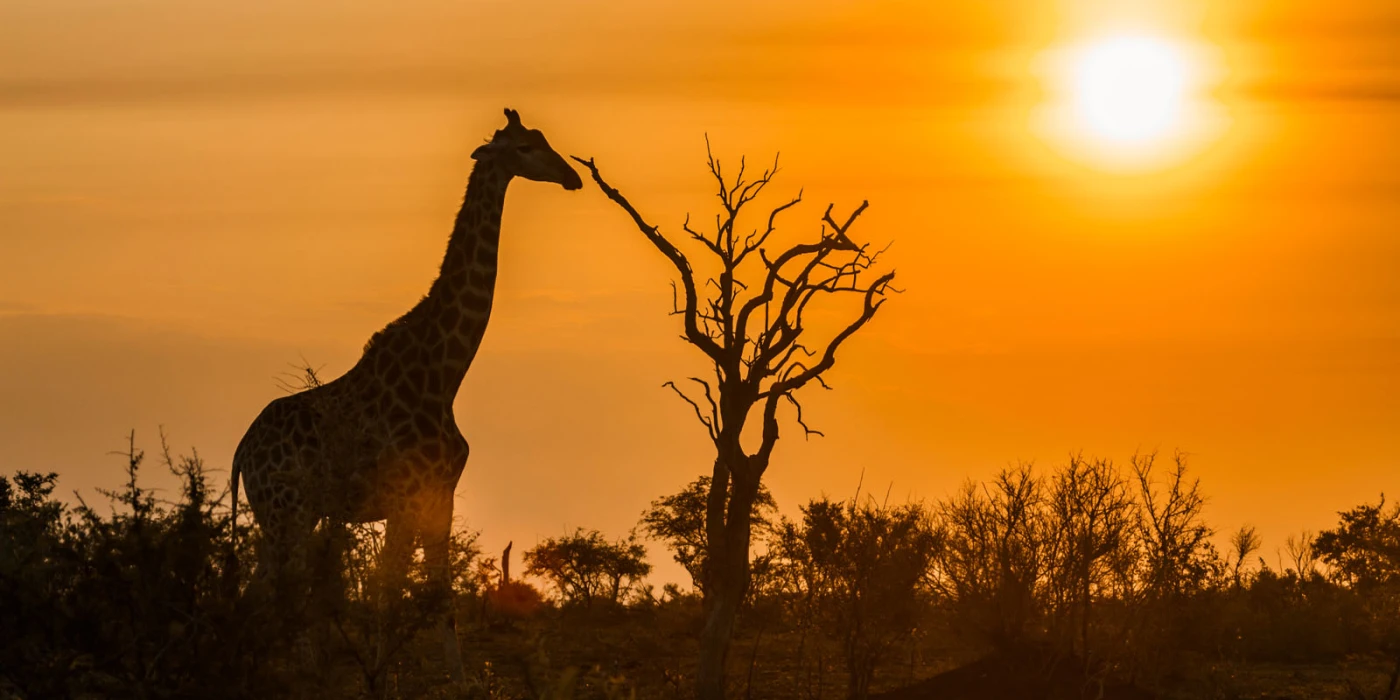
x: 525, y: 153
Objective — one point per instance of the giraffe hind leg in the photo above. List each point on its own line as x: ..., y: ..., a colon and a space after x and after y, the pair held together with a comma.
x: 283, y: 562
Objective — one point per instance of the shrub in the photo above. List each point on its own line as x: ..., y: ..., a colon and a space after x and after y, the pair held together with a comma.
x: 141, y: 601
x: 860, y: 566
x: 584, y: 567
x: 679, y: 521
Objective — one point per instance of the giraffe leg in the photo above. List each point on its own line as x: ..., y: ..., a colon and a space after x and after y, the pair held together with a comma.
x: 282, y: 561
x: 437, y: 541
x: 285, y: 562
x: 399, y: 533
x: 333, y: 561
x: 394, y: 559
x: 327, y: 589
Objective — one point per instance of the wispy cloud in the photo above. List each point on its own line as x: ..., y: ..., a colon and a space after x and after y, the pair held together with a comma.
x: 1284, y: 90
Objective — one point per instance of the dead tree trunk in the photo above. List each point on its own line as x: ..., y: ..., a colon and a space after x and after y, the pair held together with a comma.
x: 747, y: 318
x: 505, y: 564
x: 727, y: 573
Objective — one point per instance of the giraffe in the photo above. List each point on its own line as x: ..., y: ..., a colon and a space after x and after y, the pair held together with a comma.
x: 380, y: 442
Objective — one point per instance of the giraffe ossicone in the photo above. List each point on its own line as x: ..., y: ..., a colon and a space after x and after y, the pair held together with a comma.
x: 381, y: 442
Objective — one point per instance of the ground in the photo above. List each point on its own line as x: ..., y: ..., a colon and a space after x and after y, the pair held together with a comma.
x: 651, y: 652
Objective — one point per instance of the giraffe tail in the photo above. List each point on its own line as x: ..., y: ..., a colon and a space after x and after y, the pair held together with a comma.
x: 231, y: 561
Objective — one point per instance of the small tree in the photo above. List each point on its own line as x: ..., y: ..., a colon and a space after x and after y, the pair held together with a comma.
x: 749, y: 319
x: 995, y: 558
x: 1178, y: 555
x: 585, y: 567
x: 679, y: 521
x: 1302, y: 554
x: 1178, y: 562
x: 1363, y: 552
x: 862, y: 565
x: 1091, y: 518
x: 375, y: 623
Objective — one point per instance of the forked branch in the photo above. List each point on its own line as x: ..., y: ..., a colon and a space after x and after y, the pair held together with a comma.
x: 756, y: 338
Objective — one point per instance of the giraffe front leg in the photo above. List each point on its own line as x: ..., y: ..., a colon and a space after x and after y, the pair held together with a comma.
x: 399, y: 533
x: 437, y: 554
x: 392, y: 574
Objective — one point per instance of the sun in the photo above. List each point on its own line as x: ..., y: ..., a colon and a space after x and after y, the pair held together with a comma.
x: 1130, y: 89
x: 1128, y: 100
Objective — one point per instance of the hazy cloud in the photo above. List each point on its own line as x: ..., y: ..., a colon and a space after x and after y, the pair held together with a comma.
x: 16, y: 307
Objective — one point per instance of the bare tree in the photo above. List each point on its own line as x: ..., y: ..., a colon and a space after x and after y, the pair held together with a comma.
x: 1301, y: 553
x: 1176, y: 539
x: 749, y: 320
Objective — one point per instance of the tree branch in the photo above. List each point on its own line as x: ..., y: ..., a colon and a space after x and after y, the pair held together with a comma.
x: 708, y: 422
x: 693, y: 332
x: 874, y: 299
x: 807, y: 431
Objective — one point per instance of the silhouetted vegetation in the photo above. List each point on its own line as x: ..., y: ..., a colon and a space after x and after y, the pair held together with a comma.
x: 1085, y: 578
x: 853, y: 571
x: 162, y: 599
x: 140, y: 601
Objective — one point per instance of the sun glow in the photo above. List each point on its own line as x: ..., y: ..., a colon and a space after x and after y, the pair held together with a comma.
x: 1130, y: 89
x: 1128, y: 101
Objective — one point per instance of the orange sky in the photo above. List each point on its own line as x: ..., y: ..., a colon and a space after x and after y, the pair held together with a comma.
x: 193, y: 197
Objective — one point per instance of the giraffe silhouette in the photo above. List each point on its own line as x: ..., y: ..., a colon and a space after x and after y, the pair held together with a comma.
x: 381, y: 442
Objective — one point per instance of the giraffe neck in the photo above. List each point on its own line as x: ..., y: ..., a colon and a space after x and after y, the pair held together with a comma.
x: 460, y: 299
x: 431, y: 347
